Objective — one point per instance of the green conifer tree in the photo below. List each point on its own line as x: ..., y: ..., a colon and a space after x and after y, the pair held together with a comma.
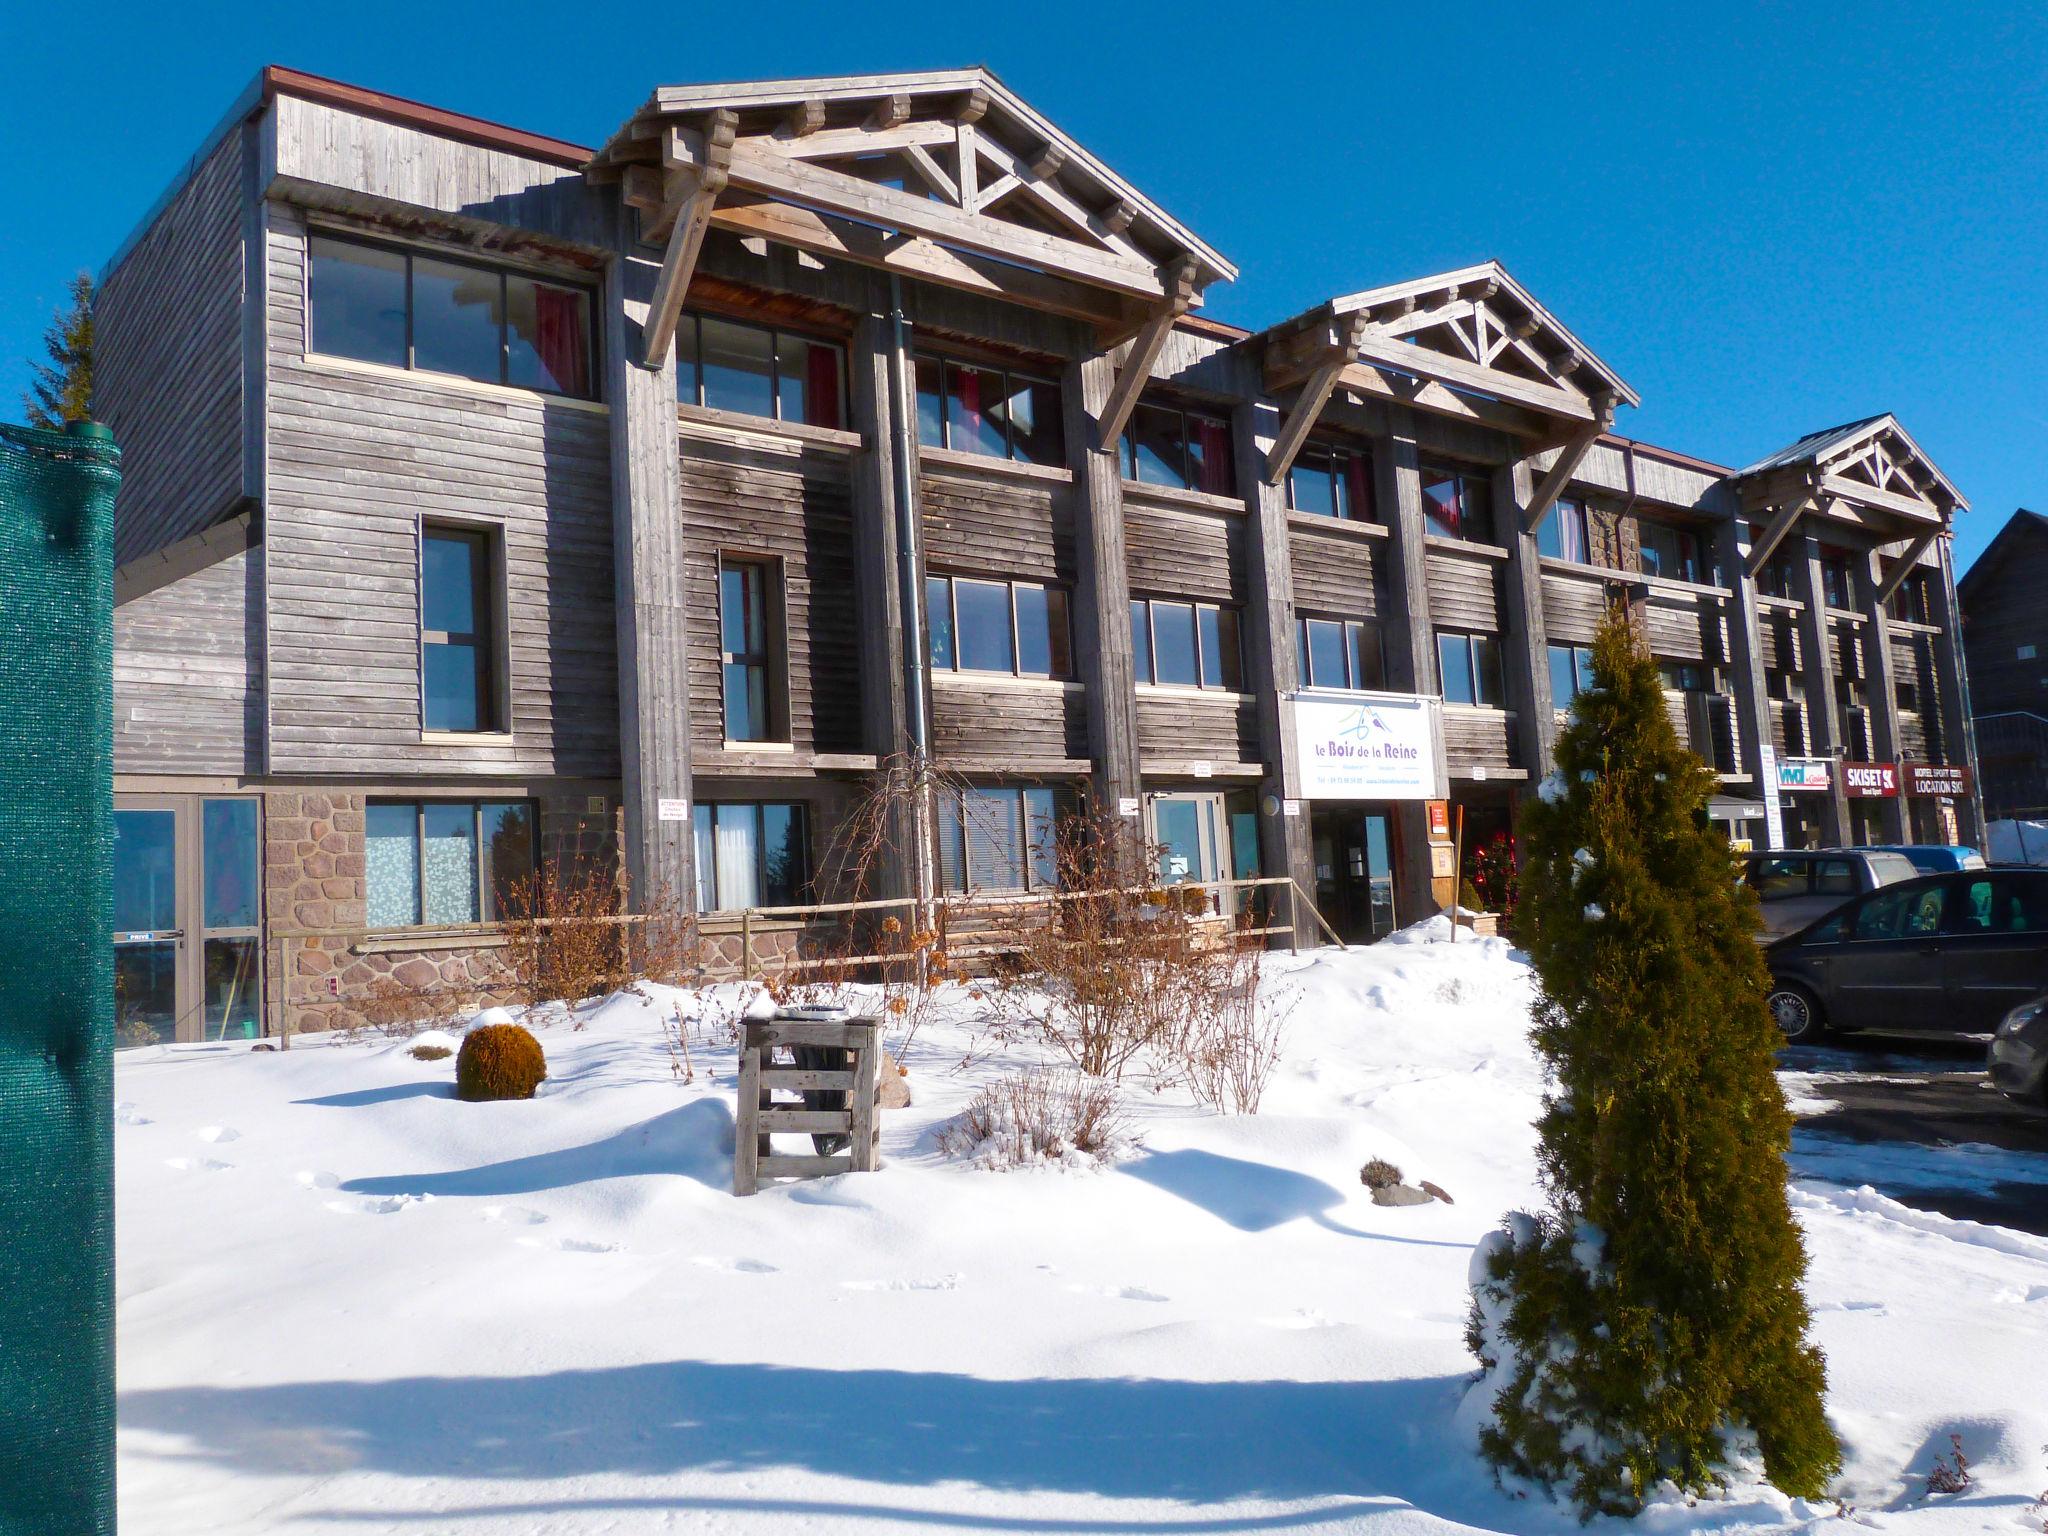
x: 1650, y: 1325
x: 61, y: 389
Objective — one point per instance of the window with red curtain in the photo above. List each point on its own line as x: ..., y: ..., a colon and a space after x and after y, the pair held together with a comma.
x: 1358, y: 480
x: 1214, y: 472
x: 821, y: 387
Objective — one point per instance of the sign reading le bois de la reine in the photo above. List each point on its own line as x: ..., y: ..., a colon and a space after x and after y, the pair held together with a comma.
x: 1376, y: 748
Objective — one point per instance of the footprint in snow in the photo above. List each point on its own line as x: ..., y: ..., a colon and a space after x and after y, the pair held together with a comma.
x: 1120, y: 1292
x: 735, y: 1266
x: 318, y: 1178
x: 198, y: 1164
x: 377, y: 1205
x: 514, y: 1215
x: 906, y: 1283
x: 127, y: 1114
x: 571, y: 1245
x: 1300, y: 1319
x: 218, y: 1133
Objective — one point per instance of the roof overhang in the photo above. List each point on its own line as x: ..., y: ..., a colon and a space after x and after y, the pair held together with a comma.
x: 1868, y: 474
x: 946, y: 176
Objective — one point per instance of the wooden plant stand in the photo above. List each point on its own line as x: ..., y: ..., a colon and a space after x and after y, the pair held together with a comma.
x: 860, y: 1042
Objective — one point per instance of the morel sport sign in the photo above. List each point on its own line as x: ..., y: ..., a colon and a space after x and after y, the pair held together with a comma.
x: 1870, y: 781
x: 1937, y: 779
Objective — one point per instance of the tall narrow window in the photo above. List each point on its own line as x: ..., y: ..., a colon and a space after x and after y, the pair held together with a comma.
x: 1571, y: 673
x: 749, y: 650
x: 457, y: 665
x: 1563, y: 535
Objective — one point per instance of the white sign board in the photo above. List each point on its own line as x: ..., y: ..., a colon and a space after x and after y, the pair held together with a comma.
x: 671, y: 810
x: 1290, y: 807
x: 1366, y: 747
x: 1774, y: 811
x: 1127, y: 806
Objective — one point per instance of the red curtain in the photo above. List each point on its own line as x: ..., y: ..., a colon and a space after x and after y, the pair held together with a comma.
x: 967, y: 389
x: 1359, y: 481
x: 559, y: 339
x: 1212, y: 441
x: 821, y: 387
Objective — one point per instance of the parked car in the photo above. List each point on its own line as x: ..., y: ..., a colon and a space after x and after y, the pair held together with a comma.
x: 1940, y: 954
x: 1935, y: 858
x: 1796, y: 886
x: 2019, y: 1052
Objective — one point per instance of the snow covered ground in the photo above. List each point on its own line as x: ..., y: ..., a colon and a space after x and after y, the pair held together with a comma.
x: 349, y: 1302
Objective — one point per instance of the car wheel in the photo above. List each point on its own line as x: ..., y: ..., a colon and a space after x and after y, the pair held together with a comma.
x: 1797, y: 1014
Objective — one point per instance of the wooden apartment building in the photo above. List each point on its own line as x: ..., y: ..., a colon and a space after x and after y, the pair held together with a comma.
x: 478, y: 485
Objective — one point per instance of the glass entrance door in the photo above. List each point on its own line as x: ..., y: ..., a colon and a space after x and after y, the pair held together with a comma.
x: 1205, y: 836
x: 1354, y: 858
x: 188, y: 951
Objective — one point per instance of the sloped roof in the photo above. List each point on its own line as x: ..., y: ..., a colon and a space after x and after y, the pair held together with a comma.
x: 2020, y: 525
x: 1871, y: 455
x: 1077, y: 196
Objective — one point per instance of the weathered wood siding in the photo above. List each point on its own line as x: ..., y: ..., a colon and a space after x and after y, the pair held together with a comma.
x: 1778, y: 641
x: 1464, y: 592
x: 795, y: 508
x: 1173, y: 551
x: 1028, y: 726
x: 167, y: 361
x: 357, y: 458
x: 1184, y: 725
x: 1572, y: 607
x: 188, y: 672
x: 995, y: 523
x: 1682, y: 631
x: 1483, y: 736
x: 1335, y: 573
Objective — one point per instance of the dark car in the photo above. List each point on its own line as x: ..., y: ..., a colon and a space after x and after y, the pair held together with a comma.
x: 2019, y: 1052
x: 1943, y: 954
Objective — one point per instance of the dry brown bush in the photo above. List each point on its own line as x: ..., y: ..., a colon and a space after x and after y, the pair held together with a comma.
x: 399, y: 1010
x: 1038, y: 1116
x: 566, y: 940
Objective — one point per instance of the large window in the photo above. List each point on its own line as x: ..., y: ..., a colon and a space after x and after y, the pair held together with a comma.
x: 1191, y: 452
x: 1331, y: 482
x: 447, y: 861
x: 1912, y: 600
x: 1018, y: 627
x: 1671, y: 552
x: 997, y: 839
x: 749, y: 855
x: 1339, y: 653
x: 990, y: 411
x: 1837, y: 585
x: 458, y: 624
x: 1470, y: 665
x: 754, y: 371
x: 1456, y: 505
x: 1565, y: 534
x: 750, y: 647
x: 406, y: 309
x: 1186, y: 645
x: 1571, y: 673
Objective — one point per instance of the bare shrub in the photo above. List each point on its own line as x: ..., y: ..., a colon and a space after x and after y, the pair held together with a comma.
x: 1950, y: 1479
x: 427, y: 1052
x: 1042, y: 1116
x: 567, y: 937
x: 1378, y: 1173
x: 1233, y: 1029
x: 399, y: 1010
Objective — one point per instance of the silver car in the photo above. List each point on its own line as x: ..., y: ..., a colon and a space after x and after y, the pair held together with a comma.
x: 2019, y: 1052
x: 1799, y: 886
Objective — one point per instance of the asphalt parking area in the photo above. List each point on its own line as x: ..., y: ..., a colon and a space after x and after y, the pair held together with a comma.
x: 1918, y: 1120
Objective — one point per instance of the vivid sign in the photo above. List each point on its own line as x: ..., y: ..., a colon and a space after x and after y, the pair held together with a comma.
x: 1937, y: 778
x: 1870, y: 781
x: 1804, y: 774
x: 1367, y: 747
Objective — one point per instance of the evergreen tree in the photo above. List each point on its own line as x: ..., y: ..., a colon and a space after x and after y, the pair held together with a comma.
x: 1650, y: 1325
x: 61, y: 389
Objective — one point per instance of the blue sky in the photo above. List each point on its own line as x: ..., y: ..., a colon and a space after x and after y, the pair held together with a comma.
x: 1769, y: 222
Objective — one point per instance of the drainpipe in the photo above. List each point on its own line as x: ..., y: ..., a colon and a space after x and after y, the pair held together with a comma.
x: 910, y: 600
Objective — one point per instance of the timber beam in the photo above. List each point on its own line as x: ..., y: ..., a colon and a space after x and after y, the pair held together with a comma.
x: 1179, y: 279
x: 1907, y: 564
x: 1774, y: 533
x: 1559, y: 475
x: 697, y: 192
x: 1339, y: 354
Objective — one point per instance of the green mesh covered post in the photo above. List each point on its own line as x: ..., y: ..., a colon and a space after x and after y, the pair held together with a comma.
x: 56, y: 979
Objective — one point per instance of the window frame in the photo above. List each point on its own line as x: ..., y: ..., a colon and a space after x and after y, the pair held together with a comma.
x: 1466, y: 478
x: 1127, y: 449
x: 801, y: 886
x: 774, y: 657
x: 1579, y: 513
x: 946, y: 363
x: 1340, y: 458
x: 1581, y: 679
x: 1687, y: 546
x: 1198, y: 608
x: 953, y: 801
x: 1059, y: 635
x: 591, y: 293
x: 488, y: 577
x: 485, y: 897
x: 695, y: 318
x: 1471, y: 637
x: 1350, y: 631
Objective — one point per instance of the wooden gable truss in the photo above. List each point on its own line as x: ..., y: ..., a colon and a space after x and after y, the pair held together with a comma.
x: 1472, y: 343
x: 1868, y: 474
x: 947, y: 177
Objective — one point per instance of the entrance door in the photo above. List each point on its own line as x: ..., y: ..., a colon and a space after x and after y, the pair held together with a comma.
x: 188, y: 954
x: 1354, y: 871
x: 1205, y: 836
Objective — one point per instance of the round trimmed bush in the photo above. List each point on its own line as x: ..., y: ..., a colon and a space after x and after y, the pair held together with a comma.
x: 499, y: 1061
